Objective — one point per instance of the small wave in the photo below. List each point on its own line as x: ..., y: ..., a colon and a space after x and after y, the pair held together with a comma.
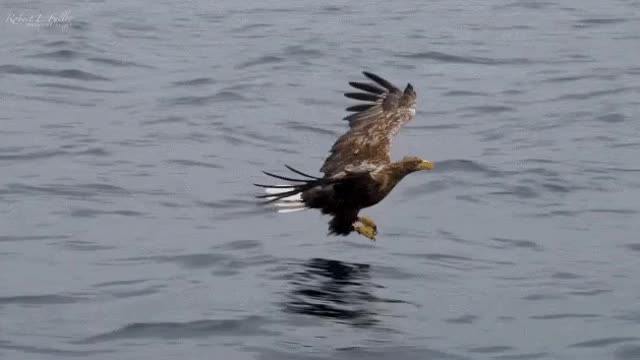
x: 58, y: 43
x: 195, y: 82
x: 598, y: 343
x: 81, y: 245
x: 488, y: 109
x: 51, y: 351
x: 590, y: 292
x: 219, y: 262
x: 79, y: 88
x: 240, y: 245
x: 467, y: 166
x: 464, y: 93
x: 628, y: 352
x: 68, y: 74
x: 563, y: 275
x: 92, y: 213
x: 593, y: 22
x: 135, y: 26
x: 80, y: 190
x: 464, y: 319
x: 7, y: 238
x: 222, y: 96
x: 455, y: 261
x: 514, y: 243
x: 456, y: 59
x: 185, y: 162
x: 571, y: 78
x: 564, y: 316
x: 490, y: 349
x: 251, y: 27
x: 225, y: 204
x: 524, y: 356
x: 301, y: 51
x: 310, y: 129
x: 611, y: 118
x: 118, y: 63
x: 48, y: 299
x: 263, y: 60
x: 58, y: 55
x: 166, y: 119
x: 632, y: 247
x: 518, y: 191
x: 526, y: 4
x: 120, y: 282
x: 252, y: 325
x: 593, y: 94
x: 44, y: 154
x: 542, y: 297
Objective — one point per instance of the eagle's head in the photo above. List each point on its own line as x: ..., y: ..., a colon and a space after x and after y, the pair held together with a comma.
x: 414, y: 163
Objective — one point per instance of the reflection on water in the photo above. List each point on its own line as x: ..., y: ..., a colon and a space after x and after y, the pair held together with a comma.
x: 333, y: 289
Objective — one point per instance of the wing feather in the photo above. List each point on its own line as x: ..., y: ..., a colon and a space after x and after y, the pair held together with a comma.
x: 362, y: 96
x: 366, y: 87
x: 384, y: 83
x: 367, y: 144
x: 359, y: 108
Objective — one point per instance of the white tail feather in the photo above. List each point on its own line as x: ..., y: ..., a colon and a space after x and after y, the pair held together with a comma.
x: 286, y: 204
x: 278, y: 190
x: 291, y: 210
x: 289, y: 204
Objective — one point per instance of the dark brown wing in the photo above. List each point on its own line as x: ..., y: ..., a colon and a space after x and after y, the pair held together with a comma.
x: 367, y: 144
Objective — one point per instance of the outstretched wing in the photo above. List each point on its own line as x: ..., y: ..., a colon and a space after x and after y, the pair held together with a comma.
x: 367, y: 144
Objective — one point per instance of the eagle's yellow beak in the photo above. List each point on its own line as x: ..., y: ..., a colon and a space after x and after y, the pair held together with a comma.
x: 426, y: 165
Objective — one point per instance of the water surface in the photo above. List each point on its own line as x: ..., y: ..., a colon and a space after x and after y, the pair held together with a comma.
x: 130, y: 134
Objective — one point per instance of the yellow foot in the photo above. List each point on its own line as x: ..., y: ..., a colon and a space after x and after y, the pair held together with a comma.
x: 367, y: 231
x: 368, y: 222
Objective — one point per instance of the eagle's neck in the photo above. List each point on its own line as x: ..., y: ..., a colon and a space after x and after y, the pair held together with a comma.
x: 391, y: 174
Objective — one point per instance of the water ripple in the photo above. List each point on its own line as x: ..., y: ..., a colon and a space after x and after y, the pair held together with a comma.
x: 117, y: 62
x: 598, y: 343
x: 564, y: 316
x: 92, y: 213
x: 68, y: 74
x: 62, y: 54
x: 79, y: 190
x: 222, y: 96
x: 189, y: 163
x: 7, y: 238
x: 195, y: 82
x: 628, y: 352
x: 450, y: 58
x: 49, y: 351
x: 468, y: 166
x: 248, y: 326
x: 263, y: 60
x: 48, y: 299
x: 80, y: 88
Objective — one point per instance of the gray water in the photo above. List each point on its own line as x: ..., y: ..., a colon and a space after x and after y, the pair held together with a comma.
x: 130, y: 135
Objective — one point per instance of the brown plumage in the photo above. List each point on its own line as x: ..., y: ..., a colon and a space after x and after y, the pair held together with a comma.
x: 358, y: 172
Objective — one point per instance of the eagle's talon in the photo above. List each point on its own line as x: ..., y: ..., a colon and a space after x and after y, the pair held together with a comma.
x: 366, y: 231
x: 364, y: 220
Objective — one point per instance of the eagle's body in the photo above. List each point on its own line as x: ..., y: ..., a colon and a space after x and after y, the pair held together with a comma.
x: 358, y: 173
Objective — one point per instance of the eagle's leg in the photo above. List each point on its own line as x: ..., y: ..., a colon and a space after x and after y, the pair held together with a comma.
x: 367, y: 227
x: 366, y: 231
x: 368, y: 222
